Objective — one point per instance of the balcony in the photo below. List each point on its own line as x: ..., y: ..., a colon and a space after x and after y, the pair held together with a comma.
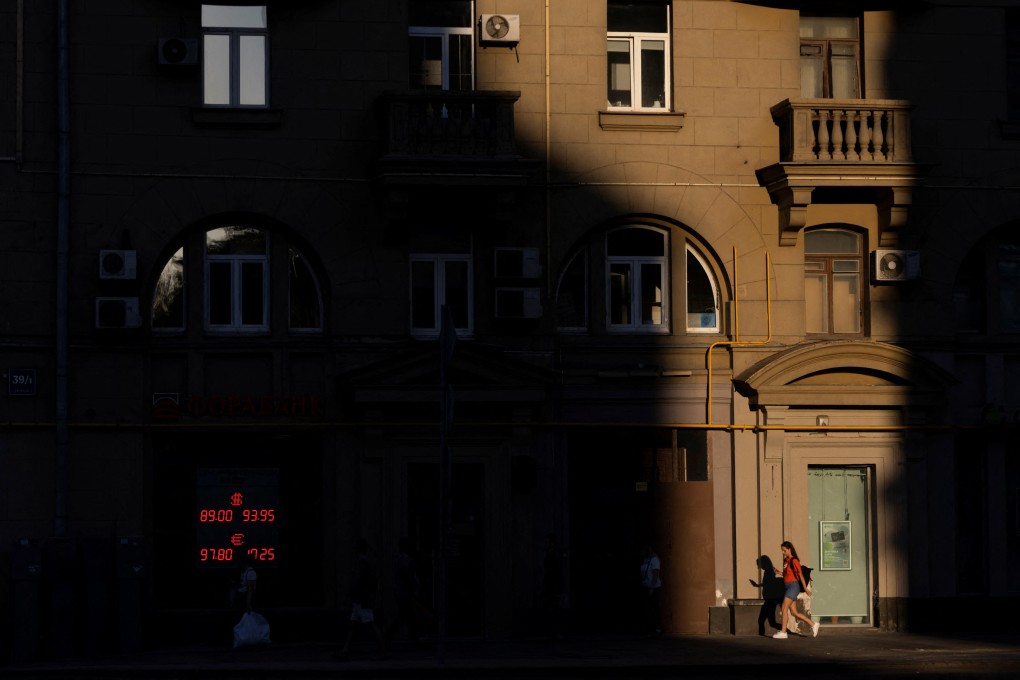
x: 853, y: 149
x: 436, y: 140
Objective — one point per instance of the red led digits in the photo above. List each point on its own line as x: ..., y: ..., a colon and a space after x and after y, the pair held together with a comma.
x: 235, y: 523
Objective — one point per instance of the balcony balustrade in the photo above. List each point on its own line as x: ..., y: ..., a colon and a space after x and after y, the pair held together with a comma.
x: 434, y: 123
x: 843, y: 130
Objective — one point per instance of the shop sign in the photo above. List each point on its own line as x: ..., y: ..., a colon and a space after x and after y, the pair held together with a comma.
x: 169, y: 406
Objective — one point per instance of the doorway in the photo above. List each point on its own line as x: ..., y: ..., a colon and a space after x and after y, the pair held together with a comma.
x: 465, y: 567
x: 839, y: 528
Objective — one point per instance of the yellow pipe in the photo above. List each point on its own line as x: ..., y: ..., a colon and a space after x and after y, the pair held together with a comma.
x: 737, y: 342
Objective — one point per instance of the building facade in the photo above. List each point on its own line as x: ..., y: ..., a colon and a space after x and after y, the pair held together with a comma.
x: 699, y: 275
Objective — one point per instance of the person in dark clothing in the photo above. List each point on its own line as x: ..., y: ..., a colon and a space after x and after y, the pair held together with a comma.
x: 771, y: 592
x: 552, y: 588
x: 405, y: 581
x: 363, y: 595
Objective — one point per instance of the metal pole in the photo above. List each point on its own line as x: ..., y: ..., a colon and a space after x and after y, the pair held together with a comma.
x: 447, y: 341
x: 62, y: 241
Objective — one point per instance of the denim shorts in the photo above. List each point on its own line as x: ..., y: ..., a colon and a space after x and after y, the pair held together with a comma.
x: 792, y: 590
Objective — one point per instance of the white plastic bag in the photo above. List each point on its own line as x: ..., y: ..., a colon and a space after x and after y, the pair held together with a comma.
x: 252, y: 629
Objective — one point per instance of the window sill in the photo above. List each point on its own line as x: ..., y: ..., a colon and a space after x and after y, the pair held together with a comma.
x: 252, y: 118
x: 670, y: 121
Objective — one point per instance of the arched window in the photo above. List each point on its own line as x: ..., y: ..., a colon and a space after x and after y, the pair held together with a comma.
x: 239, y: 265
x: 833, y: 287
x: 652, y: 275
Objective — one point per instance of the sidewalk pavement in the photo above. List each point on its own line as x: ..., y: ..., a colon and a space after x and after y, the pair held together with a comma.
x: 836, y: 651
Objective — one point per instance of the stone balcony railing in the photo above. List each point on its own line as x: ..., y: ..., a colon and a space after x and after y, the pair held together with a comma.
x: 843, y: 130
x: 434, y: 123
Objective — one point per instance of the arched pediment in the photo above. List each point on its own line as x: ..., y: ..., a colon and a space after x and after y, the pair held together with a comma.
x: 846, y: 373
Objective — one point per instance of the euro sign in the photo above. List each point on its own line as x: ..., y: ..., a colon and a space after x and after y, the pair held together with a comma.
x: 237, y: 539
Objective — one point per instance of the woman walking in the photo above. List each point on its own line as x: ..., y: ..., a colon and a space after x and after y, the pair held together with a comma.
x: 793, y: 581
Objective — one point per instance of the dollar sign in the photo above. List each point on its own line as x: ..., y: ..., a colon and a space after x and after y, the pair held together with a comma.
x: 236, y: 498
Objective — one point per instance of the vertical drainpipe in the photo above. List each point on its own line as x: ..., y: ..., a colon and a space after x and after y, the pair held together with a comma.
x: 63, y: 229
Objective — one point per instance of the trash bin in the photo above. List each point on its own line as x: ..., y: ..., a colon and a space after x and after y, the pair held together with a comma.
x: 26, y: 575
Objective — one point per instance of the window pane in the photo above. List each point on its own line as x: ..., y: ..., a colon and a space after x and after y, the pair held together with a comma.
x: 653, y: 73
x: 304, y: 294
x: 423, y: 294
x: 216, y: 69
x: 701, y: 299
x: 639, y: 242
x: 1009, y: 296
x: 439, y: 13
x: 220, y: 293
x: 426, y: 62
x: 844, y: 72
x: 619, y: 293
x: 651, y: 294
x: 168, y: 298
x: 252, y: 69
x: 618, y: 77
x: 571, y: 296
x: 236, y: 241
x: 812, y: 65
x: 252, y: 294
x: 637, y: 17
x: 832, y: 241
x: 460, y: 62
x: 230, y: 16
x: 457, y: 292
x: 815, y: 295
x: 846, y: 303
x: 828, y: 27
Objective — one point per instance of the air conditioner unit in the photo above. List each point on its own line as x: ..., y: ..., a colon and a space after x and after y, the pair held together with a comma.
x: 117, y: 312
x: 177, y: 52
x: 890, y: 266
x: 517, y: 263
x: 118, y: 264
x: 518, y: 303
x: 500, y: 29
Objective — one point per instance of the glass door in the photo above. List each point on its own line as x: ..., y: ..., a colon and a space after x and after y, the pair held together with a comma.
x: 839, y: 527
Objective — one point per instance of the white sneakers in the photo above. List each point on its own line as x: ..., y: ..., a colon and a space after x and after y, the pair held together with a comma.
x: 782, y: 635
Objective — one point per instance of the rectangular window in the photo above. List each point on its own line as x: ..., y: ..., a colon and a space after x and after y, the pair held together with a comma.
x: 638, y: 55
x: 1013, y: 63
x: 237, y: 279
x: 833, y: 274
x: 235, y: 51
x: 830, y: 57
x: 438, y: 280
x: 440, y: 45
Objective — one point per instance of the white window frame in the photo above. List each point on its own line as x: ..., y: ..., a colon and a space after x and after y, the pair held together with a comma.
x: 235, y: 35
x: 236, y: 262
x: 444, y: 33
x: 715, y: 295
x: 439, y: 292
x: 635, y: 325
x: 633, y: 41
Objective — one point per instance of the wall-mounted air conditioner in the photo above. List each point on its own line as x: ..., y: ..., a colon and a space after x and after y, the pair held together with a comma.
x: 117, y: 312
x: 518, y: 303
x: 517, y: 263
x: 891, y: 266
x: 177, y: 52
x: 499, y: 29
x: 118, y: 264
